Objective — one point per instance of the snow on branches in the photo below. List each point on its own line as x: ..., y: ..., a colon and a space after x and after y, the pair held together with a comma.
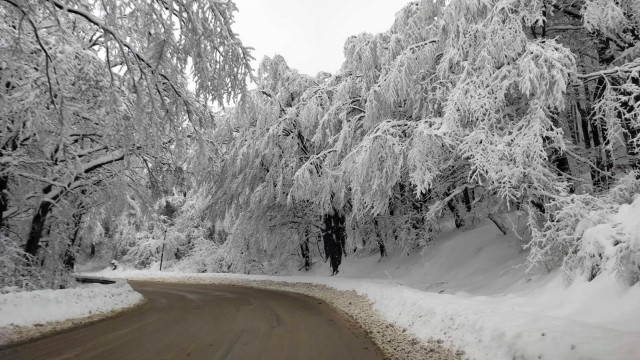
x: 87, y: 86
x: 462, y: 111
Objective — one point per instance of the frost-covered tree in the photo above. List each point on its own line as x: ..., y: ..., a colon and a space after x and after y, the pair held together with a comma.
x: 264, y: 143
x: 87, y: 85
x: 462, y: 110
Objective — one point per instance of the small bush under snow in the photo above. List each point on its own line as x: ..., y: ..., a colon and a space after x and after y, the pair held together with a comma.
x: 613, y: 246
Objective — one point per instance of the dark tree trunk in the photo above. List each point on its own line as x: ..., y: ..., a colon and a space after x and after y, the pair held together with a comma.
x: 40, y: 217
x: 538, y: 205
x: 394, y: 229
x: 334, y: 239
x: 606, y: 153
x: 584, y: 119
x: 585, y: 116
x: 603, y: 157
x: 561, y: 162
x: 496, y: 220
x: 633, y: 150
x: 37, y: 225
x: 70, y: 256
x: 4, y: 199
x: 93, y: 250
x: 11, y: 145
x: 381, y: 246
x: 466, y: 198
x: 598, y: 133
x: 459, y: 221
x: 304, y: 251
x: 557, y: 157
x: 631, y: 131
x: 592, y: 139
x: 43, y: 255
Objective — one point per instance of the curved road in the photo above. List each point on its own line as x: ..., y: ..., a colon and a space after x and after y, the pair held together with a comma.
x: 188, y: 321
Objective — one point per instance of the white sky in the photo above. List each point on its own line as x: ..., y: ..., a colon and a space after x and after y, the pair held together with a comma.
x: 310, y: 34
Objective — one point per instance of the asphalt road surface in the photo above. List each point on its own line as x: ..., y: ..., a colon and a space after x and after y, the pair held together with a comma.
x: 186, y: 321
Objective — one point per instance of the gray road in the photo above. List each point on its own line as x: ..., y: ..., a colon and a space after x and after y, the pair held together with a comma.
x: 183, y: 321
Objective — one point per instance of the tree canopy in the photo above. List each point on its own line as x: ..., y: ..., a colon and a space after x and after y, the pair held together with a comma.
x: 459, y: 112
x: 90, y: 87
x: 521, y: 112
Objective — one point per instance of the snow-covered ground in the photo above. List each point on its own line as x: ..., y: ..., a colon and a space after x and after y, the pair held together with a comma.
x: 42, y: 306
x: 470, y: 290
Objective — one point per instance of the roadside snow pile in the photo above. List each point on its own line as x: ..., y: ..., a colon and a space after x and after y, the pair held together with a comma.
x: 42, y: 306
x: 553, y: 322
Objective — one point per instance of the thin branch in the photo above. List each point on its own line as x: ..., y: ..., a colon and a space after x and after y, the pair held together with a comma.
x: 44, y: 49
x: 626, y: 68
x: 565, y: 28
x: 586, y: 161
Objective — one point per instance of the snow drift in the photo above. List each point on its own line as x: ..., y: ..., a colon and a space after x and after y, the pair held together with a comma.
x: 42, y: 306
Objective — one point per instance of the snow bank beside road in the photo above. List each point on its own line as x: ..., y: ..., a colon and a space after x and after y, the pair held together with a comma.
x: 42, y: 306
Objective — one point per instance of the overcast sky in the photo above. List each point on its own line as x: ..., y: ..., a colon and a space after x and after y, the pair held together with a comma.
x: 310, y: 34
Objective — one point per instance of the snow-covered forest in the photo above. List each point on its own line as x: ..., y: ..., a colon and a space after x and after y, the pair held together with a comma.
x: 138, y: 132
x: 473, y: 172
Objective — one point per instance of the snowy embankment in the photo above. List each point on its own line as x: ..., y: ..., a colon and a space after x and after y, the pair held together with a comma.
x: 469, y: 291
x: 26, y: 309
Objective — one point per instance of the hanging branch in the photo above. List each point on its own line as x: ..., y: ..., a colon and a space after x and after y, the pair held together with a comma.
x: 47, y: 57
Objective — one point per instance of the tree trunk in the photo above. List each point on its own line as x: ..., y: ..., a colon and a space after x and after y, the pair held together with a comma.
x: 561, y: 162
x: 304, y: 251
x: 539, y: 206
x: 592, y: 140
x: 586, y: 136
x: 466, y: 198
x: 459, y: 221
x: 333, y: 237
x: 598, y: 132
x: 4, y: 199
x: 604, y: 158
x: 498, y: 223
x: 70, y: 256
x: 40, y: 217
x: 381, y: 246
x: 633, y: 150
x: 11, y: 145
x: 631, y: 132
x: 37, y: 225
